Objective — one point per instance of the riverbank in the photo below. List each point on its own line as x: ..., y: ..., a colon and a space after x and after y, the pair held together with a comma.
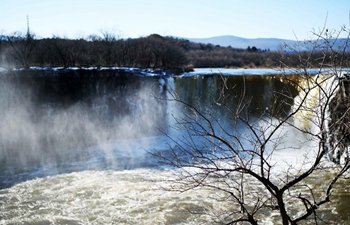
x: 160, y: 73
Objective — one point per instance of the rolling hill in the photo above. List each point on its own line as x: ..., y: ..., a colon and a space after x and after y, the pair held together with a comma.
x: 239, y: 42
x: 272, y: 44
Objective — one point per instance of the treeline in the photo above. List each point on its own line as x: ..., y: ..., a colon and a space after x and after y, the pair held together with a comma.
x: 154, y: 51
x: 147, y: 52
x: 207, y: 55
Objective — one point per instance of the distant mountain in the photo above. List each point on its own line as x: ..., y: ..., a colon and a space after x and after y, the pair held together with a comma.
x: 261, y: 43
x: 239, y: 42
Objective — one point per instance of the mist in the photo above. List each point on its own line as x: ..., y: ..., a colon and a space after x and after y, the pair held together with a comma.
x: 52, y: 119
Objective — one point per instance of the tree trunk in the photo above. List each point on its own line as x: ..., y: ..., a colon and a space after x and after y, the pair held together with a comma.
x: 283, y: 212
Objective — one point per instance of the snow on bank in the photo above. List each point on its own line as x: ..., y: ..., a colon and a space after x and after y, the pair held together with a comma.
x: 195, y: 72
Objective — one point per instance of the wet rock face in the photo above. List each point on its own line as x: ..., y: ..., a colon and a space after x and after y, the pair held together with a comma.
x: 339, y: 125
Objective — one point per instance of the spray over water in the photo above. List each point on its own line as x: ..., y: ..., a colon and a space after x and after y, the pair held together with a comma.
x: 50, y: 120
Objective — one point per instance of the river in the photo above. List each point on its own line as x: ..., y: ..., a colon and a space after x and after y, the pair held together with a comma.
x: 74, y: 144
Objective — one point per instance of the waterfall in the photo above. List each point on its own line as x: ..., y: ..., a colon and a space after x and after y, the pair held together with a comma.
x: 339, y: 121
x: 322, y: 108
x: 113, y: 180
x: 51, y: 118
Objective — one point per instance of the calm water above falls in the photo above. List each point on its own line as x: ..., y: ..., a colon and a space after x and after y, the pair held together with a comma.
x: 73, y: 149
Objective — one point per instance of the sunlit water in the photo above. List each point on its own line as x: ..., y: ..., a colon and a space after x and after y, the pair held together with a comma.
x: 128, y: 197
x: 101, y: 197
x: 115, y: 181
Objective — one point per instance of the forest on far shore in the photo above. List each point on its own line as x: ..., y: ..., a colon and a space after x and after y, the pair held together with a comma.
x: 154, y: 51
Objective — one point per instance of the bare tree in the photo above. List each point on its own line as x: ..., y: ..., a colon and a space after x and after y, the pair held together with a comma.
x: 228, y: 149
x: 108, y: 43
x: 22, y: 47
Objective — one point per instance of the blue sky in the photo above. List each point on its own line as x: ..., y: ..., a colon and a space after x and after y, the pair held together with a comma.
x: 287, y: 19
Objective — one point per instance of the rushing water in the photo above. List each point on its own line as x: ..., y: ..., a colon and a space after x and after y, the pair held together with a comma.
x: 74, y: 148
